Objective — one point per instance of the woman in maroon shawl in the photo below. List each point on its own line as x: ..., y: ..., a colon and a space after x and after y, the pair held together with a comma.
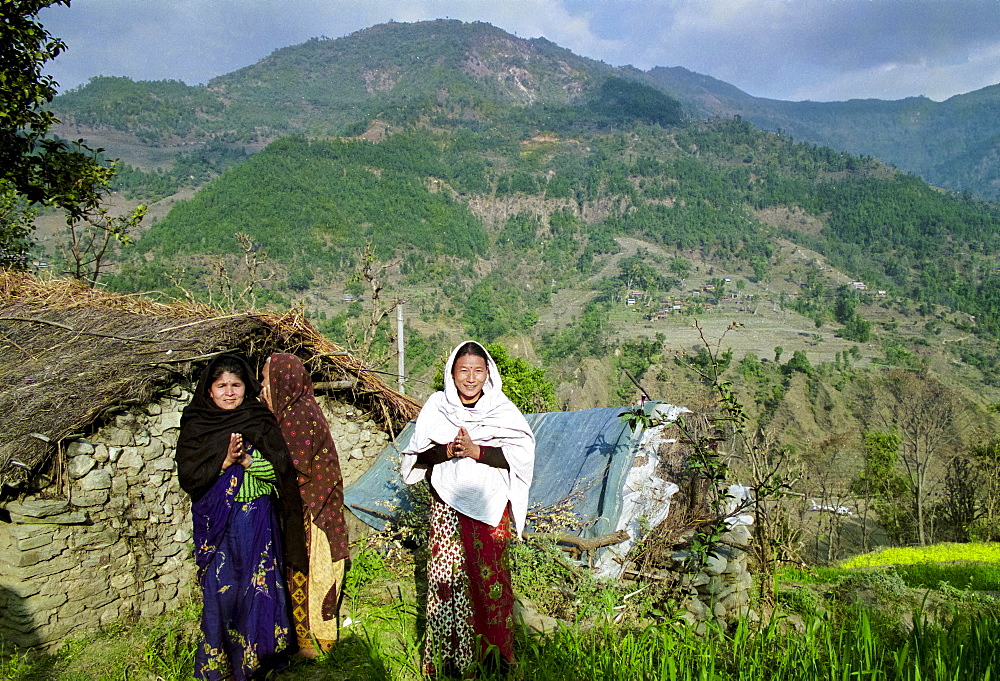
x: 288, y: 390
x: 232, y: 460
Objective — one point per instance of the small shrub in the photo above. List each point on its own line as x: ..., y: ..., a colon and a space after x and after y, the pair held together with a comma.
x: 411, y: 522
x: 540, y: 572
x: 966, y: 596
x: 974, y: 576
x: 367, y: 566
x: 817, y: 575
x: 801, y: 600
x: 885, y: 583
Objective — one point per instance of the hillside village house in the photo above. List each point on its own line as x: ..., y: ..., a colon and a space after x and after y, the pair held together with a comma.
x: 93, y: 524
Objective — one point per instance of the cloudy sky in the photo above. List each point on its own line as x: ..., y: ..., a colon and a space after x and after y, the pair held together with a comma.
x: 823, y: 50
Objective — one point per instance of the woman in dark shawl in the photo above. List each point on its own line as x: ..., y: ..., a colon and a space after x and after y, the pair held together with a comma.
x: 288, y: 390
x: 232, y: 460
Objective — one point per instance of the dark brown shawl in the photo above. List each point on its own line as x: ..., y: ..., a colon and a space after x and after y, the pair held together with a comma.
x: 204, y: 439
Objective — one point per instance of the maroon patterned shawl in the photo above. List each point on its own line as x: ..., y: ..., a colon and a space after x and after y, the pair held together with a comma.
x: 313, y: 452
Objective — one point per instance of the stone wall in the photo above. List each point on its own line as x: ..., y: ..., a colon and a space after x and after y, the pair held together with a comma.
x: 720, y: 590
x: 359, y: 439
x: 119, y: 543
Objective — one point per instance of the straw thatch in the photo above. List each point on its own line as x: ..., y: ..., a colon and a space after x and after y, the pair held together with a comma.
x: 72, y: 355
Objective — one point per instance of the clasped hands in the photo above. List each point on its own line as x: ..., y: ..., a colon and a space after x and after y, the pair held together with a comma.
x: 236, y: 453
x: 463, y: 445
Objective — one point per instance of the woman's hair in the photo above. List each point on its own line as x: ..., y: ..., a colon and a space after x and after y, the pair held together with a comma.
x: 471, y: 348
x: 227, y: 365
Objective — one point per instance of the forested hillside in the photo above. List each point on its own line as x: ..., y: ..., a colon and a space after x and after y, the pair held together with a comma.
x: 396, y: 72
x: 323, y: 200
x: 430, y: 194
x: 951, y: 144
x: 584, y: 216
x: 449, y: 140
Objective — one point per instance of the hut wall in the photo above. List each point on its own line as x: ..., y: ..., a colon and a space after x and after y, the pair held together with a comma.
x: 118, y: 545
x: 721, y: 590
x: 359, y: 439
x: 117, y: 542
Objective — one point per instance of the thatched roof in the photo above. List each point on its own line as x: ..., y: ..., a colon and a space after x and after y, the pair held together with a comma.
x: 72, y: 355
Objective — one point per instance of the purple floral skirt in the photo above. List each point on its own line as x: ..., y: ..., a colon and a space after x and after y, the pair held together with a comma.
x: 245, y: 617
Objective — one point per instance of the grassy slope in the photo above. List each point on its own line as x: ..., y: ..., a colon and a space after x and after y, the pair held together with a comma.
x: 831, y: 623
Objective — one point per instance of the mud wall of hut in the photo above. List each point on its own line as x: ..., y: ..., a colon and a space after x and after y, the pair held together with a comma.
x: 110, y: 536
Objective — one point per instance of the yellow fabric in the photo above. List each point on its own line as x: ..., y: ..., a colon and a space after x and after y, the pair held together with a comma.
x: 308, y: 593
x: 323, y: 574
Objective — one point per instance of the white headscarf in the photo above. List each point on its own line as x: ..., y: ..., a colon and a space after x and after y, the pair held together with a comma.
x: 475, y: 489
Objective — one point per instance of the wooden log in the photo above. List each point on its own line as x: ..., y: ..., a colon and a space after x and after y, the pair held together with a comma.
x: 578, y: 545
x: 335, y: 385
x: 638, y: 576
x: 375, y: 513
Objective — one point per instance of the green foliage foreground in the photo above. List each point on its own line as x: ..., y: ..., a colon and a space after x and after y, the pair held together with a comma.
x: 881, y: 621
x: 857, y: 648
x: 824, y: 651
x: 828, y: 642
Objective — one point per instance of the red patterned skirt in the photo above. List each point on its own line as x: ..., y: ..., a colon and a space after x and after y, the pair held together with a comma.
x: 470, y: 600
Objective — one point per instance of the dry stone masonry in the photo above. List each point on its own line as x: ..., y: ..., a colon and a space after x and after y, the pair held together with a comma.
x: 720, y: 590
x: 359, y: 439
x: 112, y: 540
x: 117, y: 545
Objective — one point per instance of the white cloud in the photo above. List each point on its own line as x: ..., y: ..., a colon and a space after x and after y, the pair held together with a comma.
x: 900, y: 80
x: 787, y: 49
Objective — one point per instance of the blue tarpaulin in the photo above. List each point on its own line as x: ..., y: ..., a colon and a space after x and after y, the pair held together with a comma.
x: 588, y: 452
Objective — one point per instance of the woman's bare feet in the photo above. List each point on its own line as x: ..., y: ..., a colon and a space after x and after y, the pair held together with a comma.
x: 309, y: 652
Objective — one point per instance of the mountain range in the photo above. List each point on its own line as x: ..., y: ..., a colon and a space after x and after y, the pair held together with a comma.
x: 952, y: 144
x: 394, y: 71
x: 528, y: 193
x: 610, y: 226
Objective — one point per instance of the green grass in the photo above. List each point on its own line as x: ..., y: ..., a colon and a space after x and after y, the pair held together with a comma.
x: 819, y: 575
x: 831, y: 639
x: 974, y: 567
x: 158, y: 650
x: 975, y: 577
x: 854, y: 649
x: 971, y: 567
x: 937, y: 553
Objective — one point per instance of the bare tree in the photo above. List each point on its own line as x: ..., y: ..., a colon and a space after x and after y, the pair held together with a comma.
x: 829, y: 509
x: 961, y: 504
x: 372, y: 272
x: 981, y: 519
x: 235, y: 290
x: 883, y: 489
x: 93, y: 233
x: 930, y: 421
x: 772, y: 472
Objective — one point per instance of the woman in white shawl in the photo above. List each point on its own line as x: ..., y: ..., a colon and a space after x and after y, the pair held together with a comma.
x: 478, y: 453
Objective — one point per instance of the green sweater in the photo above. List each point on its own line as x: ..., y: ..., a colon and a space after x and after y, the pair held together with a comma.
x: 258, y: 480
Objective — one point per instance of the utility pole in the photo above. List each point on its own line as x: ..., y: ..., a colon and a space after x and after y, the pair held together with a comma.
x: 400, y: 349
